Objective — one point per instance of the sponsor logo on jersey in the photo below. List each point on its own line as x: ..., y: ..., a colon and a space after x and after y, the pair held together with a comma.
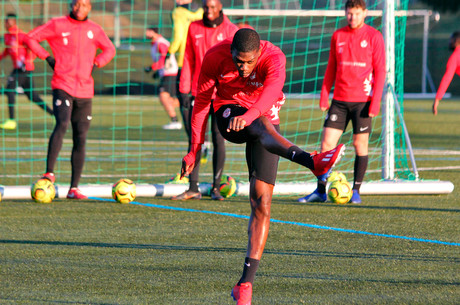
x: 226, y: 113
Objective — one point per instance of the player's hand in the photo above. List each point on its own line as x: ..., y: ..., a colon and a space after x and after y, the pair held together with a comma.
x: 186, y: 168
x: 371, y: 115
x: 236, y: 123
x: 148, y: 69
x: 51, y: 61
x: 435, y: 106
x: 324, y: 108
x: 188, y: 162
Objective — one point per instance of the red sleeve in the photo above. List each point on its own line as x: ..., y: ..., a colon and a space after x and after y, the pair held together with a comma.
x: 163, y: 50
x: 378, y: 61
x: 206, y: 86
x: 107, y: 47
x: 38, y: 34
x: 185, y: 84
x: 275, y: 68
x: 329, y: 77
x: 451, y: 67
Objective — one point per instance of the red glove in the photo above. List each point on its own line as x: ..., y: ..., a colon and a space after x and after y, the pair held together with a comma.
x: 188, y: 162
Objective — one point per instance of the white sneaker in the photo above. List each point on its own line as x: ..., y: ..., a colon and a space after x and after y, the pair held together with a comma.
x: 172, y: 126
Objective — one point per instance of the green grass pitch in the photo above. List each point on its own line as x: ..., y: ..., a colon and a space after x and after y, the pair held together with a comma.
x: 100, y: 252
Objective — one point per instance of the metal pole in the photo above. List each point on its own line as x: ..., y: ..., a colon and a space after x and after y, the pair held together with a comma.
x: 426, y: 23
x: 116, y: 24
x: 388, y: 154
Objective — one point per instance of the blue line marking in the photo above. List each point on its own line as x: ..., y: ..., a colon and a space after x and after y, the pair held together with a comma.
x: 288, y: 222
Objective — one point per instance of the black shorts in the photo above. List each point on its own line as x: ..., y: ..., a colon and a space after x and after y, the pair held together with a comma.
x: 168, y: 84
x: 262, y: 164
x: 67, y: 107
x: 341, y: 113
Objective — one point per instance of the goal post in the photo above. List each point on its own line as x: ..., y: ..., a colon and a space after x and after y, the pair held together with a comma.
x: 126, y: 139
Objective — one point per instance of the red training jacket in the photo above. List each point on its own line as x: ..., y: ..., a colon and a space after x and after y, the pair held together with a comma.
x: 260, y: 92
x: 200, y: 39
x: 74, y: 44
x: 357, y: 65
x: 20, y: 55
x: 453, y: 66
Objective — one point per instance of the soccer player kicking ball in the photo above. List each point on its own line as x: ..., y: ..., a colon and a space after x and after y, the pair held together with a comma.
x: 248, y: 75
x: 74, y: 41
x: 357, y: 65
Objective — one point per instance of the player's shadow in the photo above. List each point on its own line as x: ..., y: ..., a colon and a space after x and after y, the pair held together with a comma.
x: 292, y: 252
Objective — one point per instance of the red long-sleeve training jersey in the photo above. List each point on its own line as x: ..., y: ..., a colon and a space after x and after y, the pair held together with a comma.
x: 260, y: 92
x: 21, y: 56
x: 453, y: 66
x: 74, y: 44
x: 357, y: 65
x: 200, y: 39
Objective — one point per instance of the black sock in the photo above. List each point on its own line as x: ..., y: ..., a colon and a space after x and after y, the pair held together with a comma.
x: 300, y: 157
x: 193, y: 186
x: 321, y: 186
x: 360, y: 171
x: 249, y: 271
x: 174, y: 119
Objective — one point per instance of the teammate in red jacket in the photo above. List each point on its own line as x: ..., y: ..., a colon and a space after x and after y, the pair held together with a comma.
x: 453, y: 67
x: 248, y: 76
x: 202, y: 35
x: 23, y: 66
x: 74, y: 41
x: 357, y: 66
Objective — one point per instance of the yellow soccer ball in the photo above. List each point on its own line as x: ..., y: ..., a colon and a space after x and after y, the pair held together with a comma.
x: 336, y: 176
x: 43, y: 191
x: 124, y: 191
x: 339, y: 192
x: 227, y: 186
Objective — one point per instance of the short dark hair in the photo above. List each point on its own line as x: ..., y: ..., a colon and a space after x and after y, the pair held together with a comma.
x: 11, y: 16
x: 152, y: 28
x: 355, y: 3
x: 246, y: 40
x: 455, y: 40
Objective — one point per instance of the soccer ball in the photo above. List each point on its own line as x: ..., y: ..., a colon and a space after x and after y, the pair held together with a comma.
x: 43, y: 191
x: 227, y: 186
x: 124, y: 191
x: 336, y: 176
x: 177, y: 180
x: 340, y: 191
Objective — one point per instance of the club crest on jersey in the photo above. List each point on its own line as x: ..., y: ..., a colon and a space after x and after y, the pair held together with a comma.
x: 252, y: 76
x: 363, y: 44
x: 90, y: 34
x: 220, y: 37
x: 226, y: 113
